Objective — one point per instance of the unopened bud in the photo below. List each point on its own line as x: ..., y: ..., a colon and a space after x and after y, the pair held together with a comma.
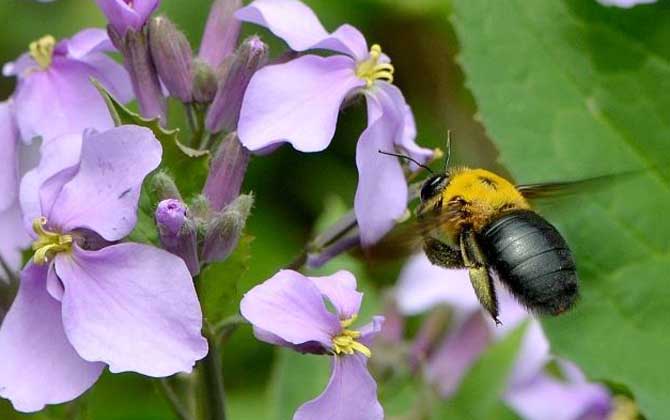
x: 205, y: 82
x: 164, y: 187
x: 221, y: 32
x: 226, y: 172
x: 127, y: 15
x: 178, y: 233
x: 223, y: 231
x: 225, y: 110
x: 173, y: 57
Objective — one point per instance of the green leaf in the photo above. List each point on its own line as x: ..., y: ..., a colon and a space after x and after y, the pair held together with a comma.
x: 222, y: 285
x: 297, y: 378
x: 188, y: 166
x: 479, y: 394
x: 569, y: 89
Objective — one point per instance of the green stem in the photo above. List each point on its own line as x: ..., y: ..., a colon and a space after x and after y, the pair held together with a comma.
x: 170, y: 394
x: 212, y: 376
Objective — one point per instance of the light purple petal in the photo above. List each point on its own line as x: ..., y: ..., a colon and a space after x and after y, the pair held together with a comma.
x: 381, y: 196
x: 111, y: 75
x: 61, y: 100
x: 340, y: 289
x: 19, y: 68
x: 351, y: 394
x: 297, y: 102
x: 547, y: 398
x: 103, y: 195
x: 458, y: 353
x: 532, y: 356
x: 371, y: 330
x: 13, y: 239
x: 38, y: 365
x: 296, y: 23
x: 290, y: 306
x: 422, y: 286
x: 123, y: 16
x: 313, y: 347
x: 87, y: 41
x: 9, y: 157
x: 133, y: 307
x: 56, y: 155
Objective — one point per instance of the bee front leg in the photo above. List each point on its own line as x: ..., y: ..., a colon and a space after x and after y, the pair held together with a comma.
x: 442, y: 254
x: 480, y: 277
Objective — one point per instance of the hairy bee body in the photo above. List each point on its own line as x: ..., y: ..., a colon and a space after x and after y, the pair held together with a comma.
x: 532, y: 259
x: 478, y: 220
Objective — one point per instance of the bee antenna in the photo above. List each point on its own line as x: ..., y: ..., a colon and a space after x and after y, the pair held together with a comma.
x: 446, y: 163
x: 408, y: 158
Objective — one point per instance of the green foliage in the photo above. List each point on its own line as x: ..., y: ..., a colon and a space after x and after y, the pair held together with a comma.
x: 222, y: 285
x: 478, y: 396
x: 570, y: 89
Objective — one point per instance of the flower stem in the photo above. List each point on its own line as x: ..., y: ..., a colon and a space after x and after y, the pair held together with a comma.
x: 170, y: 394
x: 212, y: 377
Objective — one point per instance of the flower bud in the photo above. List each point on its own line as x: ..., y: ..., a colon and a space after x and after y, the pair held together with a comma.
x: 126, y: 15
x: 225, y: 110
x: 221, y: 32
x: 205, y: 82
x: 173, y: 57
x: 223, y: 231
x: 178, y: 233
x: 226, y: 173
x: 164, y: 186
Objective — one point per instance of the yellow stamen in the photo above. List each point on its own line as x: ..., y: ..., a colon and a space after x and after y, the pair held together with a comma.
x: 371, y: 69
x: 346, y: 343
x: 624, y: 409
x: 42, y: 50
x: 48, y: 243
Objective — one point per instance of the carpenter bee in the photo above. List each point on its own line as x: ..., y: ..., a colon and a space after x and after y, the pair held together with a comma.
x: 476, y: 220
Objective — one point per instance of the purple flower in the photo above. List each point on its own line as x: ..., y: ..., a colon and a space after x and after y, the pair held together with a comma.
x: 127, y: 14
x: 86, y: 300
x: 626, y: 4
x: 299, y: 101
x: 13, y: 237
x: 531, y: 392
x: 289, y: 310
x: 54, y: 95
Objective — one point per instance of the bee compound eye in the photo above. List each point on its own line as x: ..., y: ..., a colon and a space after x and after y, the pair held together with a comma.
x: 432, y: 187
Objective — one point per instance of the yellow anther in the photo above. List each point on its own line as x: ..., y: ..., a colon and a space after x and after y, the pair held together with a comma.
x: 42, y: 50
x: 346, y: 343
x: 371, y: 69
x: 48, y: 243
x: 624, y: 409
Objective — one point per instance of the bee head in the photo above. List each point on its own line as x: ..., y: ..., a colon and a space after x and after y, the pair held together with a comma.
x: 433, y: 186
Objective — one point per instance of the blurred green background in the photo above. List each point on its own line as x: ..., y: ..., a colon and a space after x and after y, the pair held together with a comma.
x: 567, y: 88
x: 291, y: 188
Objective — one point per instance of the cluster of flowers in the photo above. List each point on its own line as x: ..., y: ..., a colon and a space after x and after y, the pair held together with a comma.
x: 90, y: 298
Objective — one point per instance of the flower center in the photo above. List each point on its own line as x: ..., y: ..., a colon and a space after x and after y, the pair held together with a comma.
x: 346, y: 343
x: 42, y: 50
x: 48, y: 243
x: 371, y: 69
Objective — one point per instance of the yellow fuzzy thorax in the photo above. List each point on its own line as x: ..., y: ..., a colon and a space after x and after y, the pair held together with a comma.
x: 480, y: 195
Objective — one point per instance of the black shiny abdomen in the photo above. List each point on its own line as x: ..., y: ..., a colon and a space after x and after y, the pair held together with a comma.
x: 532, y: 259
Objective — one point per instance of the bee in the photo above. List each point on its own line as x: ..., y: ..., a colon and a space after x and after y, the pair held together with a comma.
x: 476, y: 220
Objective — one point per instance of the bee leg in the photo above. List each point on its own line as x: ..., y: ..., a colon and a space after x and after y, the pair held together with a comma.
x: 480, y: 277
x: 442, y: 254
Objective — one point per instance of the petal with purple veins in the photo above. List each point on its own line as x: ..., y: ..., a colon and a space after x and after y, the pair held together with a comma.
x: 351, y: 394
x: 297, y: 102
x: 103, y: 195
x: 133, y: 307
x: 38, y: 364
x: 291, y: 307
x: 340, y: 289
x: 296, y: 23
x: 88, y: 41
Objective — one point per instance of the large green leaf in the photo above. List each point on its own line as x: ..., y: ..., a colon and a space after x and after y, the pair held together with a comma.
x: 569, y: 89
x: 479, y: 394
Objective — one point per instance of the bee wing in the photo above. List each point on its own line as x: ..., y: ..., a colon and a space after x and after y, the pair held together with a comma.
x: 567, y: 188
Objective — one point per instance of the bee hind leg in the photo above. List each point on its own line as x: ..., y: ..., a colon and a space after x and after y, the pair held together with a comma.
x: 480, y: 277
x: 443, y: 255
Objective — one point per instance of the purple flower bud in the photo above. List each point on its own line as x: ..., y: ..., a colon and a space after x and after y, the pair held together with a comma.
x: 173, y: 57
x: 205, y: 82
x: 178, y: 233
x: 225, y: 110
x: 124, y: 15
x: 226, y: 172
x: 221, y: 32
x: 137, y: 59
x: 223, y: 231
